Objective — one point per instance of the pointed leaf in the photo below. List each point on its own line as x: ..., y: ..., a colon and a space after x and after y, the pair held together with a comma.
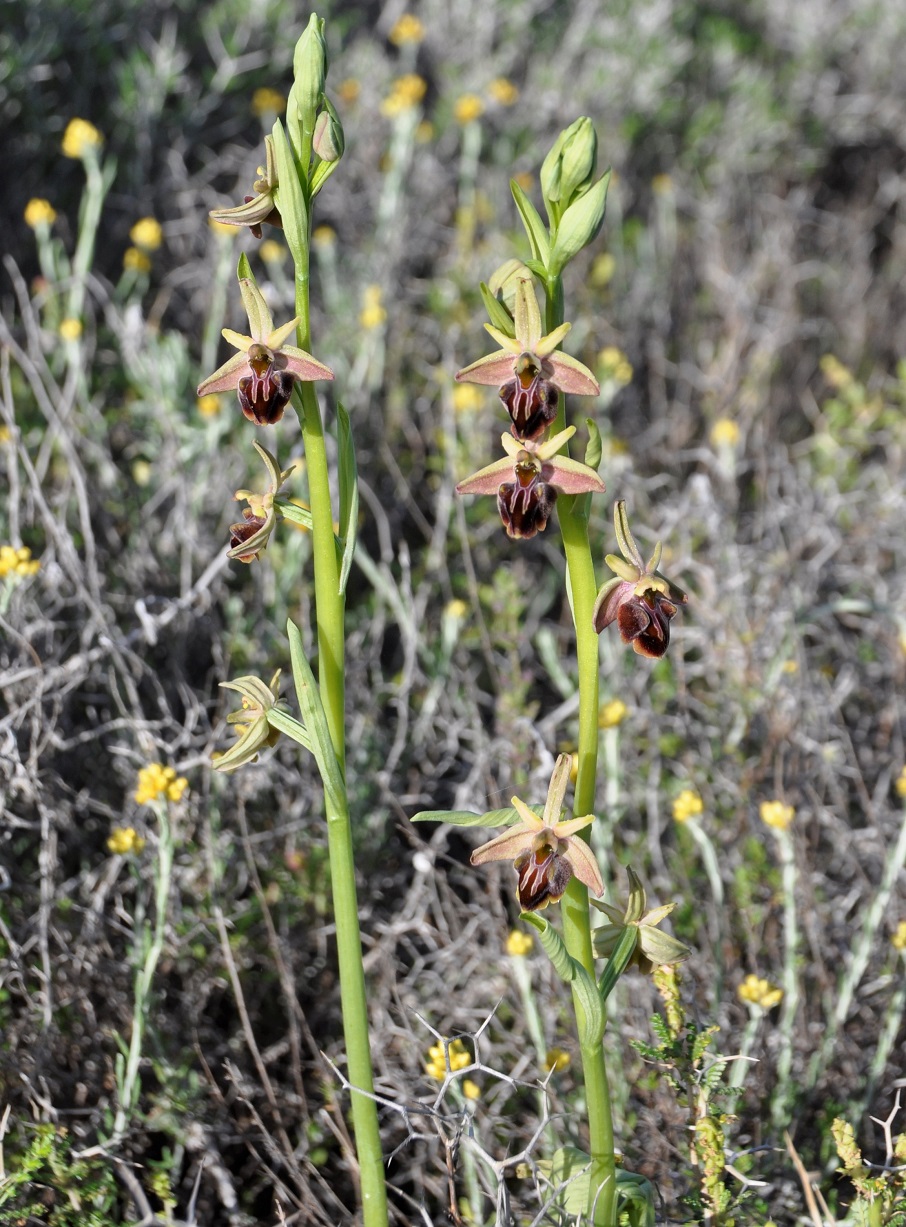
x: 290, y: 199
x: 349, y: 493
x: 571, y: 1174
x: 573, y: 973
x: 315, y: 721
x: 294, y: 513
x: 534, y: 227
x: 618, y: 962
x: 289, y: 725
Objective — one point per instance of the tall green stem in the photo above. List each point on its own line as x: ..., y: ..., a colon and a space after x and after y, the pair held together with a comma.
x: 575, y: 907
x: 330, y: 610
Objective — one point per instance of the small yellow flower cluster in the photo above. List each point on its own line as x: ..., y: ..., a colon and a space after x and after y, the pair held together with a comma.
x: 776, y: 814
x: 756, y: 991
x: 688, y: 804
x: 436, y: 1066
x: 724, y: 433
x: 124, y: 840
x: 17, y: 561
x: 898, y: 941
x: 39, y: 212
x: 272, y: 252
x: 80, y: 139
x: 468, y: 108
x: 157, y: 781
x: 406, y: 92
x: 348, y: 91
x: 408, y: 29
x: 836, y: 374
x: 615, y: 365
x: 466, y: 398
x: 900, y: 785
x: 70, y: 328
x: 612, y: 714
x: 147, y: 233
x: 503, y: 92
x: 136, y: 261
x: 267, y: 101
x: 557, y: 1059
x: 372, y: 314
x: 470, y: 1089
x: 209, y: 406
x: 518, y: 944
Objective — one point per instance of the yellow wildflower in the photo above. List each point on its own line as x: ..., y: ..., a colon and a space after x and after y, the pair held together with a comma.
x: 147, y: 233
x: 6, y: 435
x: 157, y: 782
x: 324, y: 236
x: 456, y: 609
x: 406, y: 92
x: 615, y: 365
x: 900, y: 785
x: 756, y: 991
x: 557, y: 1059
x: 518, y: 944
x: 776, y: 814
x: 457, y: 1054
x: 662, y: 185
x: 611, y: 714
x: 504, y: 92
x: 39, y: 212
x: 142, y: 472
x: 17, y: 561
x: 372, y: 314
x: 466, y: 398
x: 468, y: 108
x: 790, y: 666
x: 424, y: 132
x: 209, y: 406
x: 70, y: 329
x: 470, y: 1089
x: 124, y: 840
x: 688, y: 804
x: 272, y: 252
x: 724, y: 433
x: 80, y: 139
x: 407, y: 30
x: 898, y: 941
x: 836, y: 374
x: 221, y: 228
x: 136, y: 260
x: 603, y: 268
x: 349, y: 90
x: 267, y: 101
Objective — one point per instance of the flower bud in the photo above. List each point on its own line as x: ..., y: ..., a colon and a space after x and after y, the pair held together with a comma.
x: 309, y: 75
x: 328, y: 141
x: 569, y: 168
x: 579, y: 224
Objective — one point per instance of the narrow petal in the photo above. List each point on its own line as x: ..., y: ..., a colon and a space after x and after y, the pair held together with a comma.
x: 530, y: 819
x: 302, y: 365
x: 261, y: 322
x: 487, y: 480
x: 563, y: 830
x: 547, y: 345
x: 493, y: 370
x: 570, y: 375
x: 504, y: 340
x: 505, y: 847
x: 238, y: 340
x: 571, y: 476
x: 275, y: 339
x: 584, y: 865
x: 226, y: 376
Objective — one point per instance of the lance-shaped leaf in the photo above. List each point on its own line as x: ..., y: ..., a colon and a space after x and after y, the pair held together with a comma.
x: 315, y: 721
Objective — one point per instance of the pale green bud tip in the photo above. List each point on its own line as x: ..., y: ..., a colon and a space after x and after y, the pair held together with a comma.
x: 309, y: 72
x: 329, y: 141
x: 569, y: 168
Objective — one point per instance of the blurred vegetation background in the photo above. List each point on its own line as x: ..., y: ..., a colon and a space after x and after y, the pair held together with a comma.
x: 744, y: 309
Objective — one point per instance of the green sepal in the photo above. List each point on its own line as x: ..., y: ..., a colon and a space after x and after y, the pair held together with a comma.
x: 294, y: 513
x: 497, y: 312
x: 579, y: 225
x: 290, y: 199
x: 466, y: 818
x: 538, y: 268
x: 618, y: 961
x: 349, y: 494
x: 572, y: 972
x: 289, y: 725
x: 594, y: 448
x: 315, y: 722
x: 538, y: 237
x: 244, y: 270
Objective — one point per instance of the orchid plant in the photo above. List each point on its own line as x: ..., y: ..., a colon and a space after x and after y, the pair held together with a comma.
x: 272, y: 371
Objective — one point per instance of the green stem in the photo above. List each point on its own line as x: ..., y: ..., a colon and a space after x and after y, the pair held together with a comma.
x: 602, y: 1207
x: 330, y: 615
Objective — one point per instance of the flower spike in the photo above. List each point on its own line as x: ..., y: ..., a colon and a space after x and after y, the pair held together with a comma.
x: 638, y: 598
x: 538, y: 475
x: 529, y: 368
x: 264, y: 369
x: 545, y: 852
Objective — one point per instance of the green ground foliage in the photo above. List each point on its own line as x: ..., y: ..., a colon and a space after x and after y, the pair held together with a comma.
x: 744, y: 311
